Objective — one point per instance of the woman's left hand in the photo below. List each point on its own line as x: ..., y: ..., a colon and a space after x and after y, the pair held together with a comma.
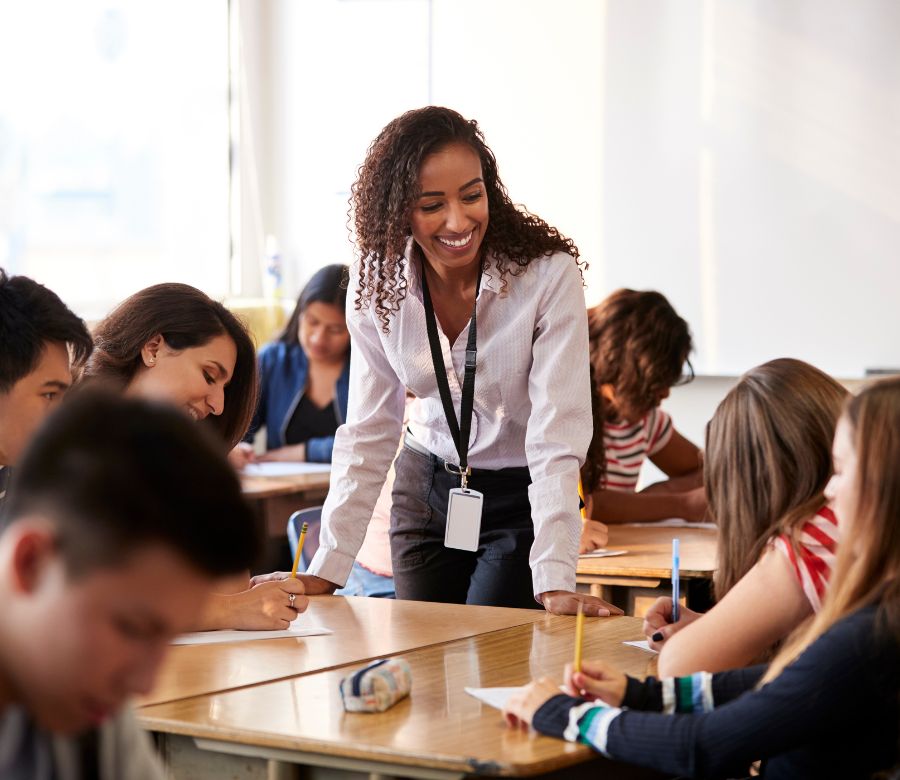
x: 521, y: 707
x: 565, y: 602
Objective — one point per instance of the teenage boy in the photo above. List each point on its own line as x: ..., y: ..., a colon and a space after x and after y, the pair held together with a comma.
x: 121, y: 516
x: 37, y: 334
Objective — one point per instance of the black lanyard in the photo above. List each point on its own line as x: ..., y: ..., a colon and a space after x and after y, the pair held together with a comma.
x: 459, y: 431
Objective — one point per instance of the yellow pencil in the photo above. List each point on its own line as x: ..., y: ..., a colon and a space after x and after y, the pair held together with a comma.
x: 299, y: 550
x: 583, y: 502
x: 579, y: 635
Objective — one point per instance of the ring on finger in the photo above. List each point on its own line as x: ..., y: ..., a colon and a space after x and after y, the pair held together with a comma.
x: 291, y: 598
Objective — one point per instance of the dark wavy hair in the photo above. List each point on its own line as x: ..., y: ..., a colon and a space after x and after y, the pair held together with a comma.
x: 383, y: 195
x: 185, y: 317
x: 640, y: 346
x: 327, y: 285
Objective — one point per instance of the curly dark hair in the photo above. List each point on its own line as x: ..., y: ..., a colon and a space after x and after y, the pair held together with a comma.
x: 383, y: 195
x: 640, y: 346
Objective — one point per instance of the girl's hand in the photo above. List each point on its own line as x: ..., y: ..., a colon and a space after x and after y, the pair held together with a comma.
x: 597, y: 680
x: 594, y: 535
x: 565, y: 602
x: 520, y: 708
x: 292, y: 453
x: 658, y: 625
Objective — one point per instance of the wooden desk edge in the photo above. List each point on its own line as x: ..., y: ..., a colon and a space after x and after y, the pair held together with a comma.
x: 302, y: 749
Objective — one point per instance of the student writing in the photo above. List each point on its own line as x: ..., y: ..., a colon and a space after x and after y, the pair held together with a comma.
x: 172, y: 343
x: 639, y: 347
x: 305, y: 375
x: 768, y: 460
x: 827, y: 705
x: 121, y: 516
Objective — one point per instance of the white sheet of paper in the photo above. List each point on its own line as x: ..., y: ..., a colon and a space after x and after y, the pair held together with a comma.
x: 602, y: 553
x: 216, y: 637
x: 495, y: 697
x: 642, y: 645
x: 284, y: 469
x: 672, y: 522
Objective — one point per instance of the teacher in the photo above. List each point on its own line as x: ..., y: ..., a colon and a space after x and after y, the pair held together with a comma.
x: 476, y: 307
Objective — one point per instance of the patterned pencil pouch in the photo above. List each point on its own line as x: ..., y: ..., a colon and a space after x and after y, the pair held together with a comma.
x: 376, y: 687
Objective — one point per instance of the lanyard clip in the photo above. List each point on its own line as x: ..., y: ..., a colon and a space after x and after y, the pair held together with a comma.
x: 463, y: 474
x: 470, y: 358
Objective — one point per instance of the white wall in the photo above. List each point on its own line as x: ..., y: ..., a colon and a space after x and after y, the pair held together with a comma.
x: 739, y: 156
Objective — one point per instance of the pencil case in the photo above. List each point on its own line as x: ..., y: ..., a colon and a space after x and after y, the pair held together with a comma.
x: 376, y: 687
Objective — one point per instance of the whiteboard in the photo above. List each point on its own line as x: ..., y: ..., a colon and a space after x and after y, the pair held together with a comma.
x: 752, y: 174
x: 741, y: 156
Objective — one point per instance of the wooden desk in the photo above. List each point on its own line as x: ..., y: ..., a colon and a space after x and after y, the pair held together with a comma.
x: 438, y: 732
x: 633, y: 580
x: 363, y: 629
x: 274, y: 500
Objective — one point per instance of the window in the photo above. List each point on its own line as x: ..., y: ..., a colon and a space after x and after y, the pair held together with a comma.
x: 114, y: 146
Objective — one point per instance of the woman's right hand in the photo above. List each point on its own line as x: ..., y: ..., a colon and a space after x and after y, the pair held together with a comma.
x: 658, y: 625
x: 264, y: 607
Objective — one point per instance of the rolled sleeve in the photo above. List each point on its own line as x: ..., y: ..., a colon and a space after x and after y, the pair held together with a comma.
x: 560, y: 425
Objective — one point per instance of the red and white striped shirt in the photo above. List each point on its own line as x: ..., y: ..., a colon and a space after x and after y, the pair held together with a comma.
x: 817, y: 547
x: 628, y: 445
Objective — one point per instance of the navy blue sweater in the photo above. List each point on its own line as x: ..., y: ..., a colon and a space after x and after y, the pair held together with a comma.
x: 832, y: 713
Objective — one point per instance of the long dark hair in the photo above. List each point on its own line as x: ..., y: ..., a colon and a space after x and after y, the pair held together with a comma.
x: 388, y: 184
x: 327, y: 285
x: 185, y: 317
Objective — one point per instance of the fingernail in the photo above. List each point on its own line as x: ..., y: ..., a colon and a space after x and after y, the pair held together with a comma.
x: 657, y: 637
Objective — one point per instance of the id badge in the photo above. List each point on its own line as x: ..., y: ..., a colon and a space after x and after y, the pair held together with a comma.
x: 463, y: 519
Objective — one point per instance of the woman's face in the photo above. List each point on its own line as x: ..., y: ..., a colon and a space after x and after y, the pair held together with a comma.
x: 450, y: 217
x: 841, y: 488
x: 323, y: 333
x: 193, y: 379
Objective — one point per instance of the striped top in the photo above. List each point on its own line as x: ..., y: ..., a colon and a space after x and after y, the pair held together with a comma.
x: 817, y: 546
x: 628, y: 445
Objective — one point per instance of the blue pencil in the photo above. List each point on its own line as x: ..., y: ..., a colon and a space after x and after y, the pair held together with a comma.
x: 676, y: 581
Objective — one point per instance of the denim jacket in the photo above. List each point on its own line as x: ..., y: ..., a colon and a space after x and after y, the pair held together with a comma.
x: 283, y: 370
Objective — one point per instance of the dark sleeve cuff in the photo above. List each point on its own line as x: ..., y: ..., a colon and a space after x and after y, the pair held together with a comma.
x: 643, y: 695
x: 552, y: 718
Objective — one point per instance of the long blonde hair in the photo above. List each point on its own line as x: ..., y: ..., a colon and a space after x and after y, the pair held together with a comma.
x: 867, y: 568
x: 768, y: 459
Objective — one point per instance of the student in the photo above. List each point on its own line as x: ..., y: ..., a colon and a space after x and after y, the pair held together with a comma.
x: 828, y: 704
x: 639, y: 347
x: 305, y: 375
x: 173, y: 343
x: 435, y: 224
x: 768, y: 460
x: 37, y: 335
x: 122, y: 514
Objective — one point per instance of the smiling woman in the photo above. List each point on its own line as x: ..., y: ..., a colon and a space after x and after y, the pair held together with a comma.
x: 173, y: 343
x: 485, y: 505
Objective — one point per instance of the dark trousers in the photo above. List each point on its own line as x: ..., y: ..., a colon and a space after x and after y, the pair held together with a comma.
x: 497, y: 574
